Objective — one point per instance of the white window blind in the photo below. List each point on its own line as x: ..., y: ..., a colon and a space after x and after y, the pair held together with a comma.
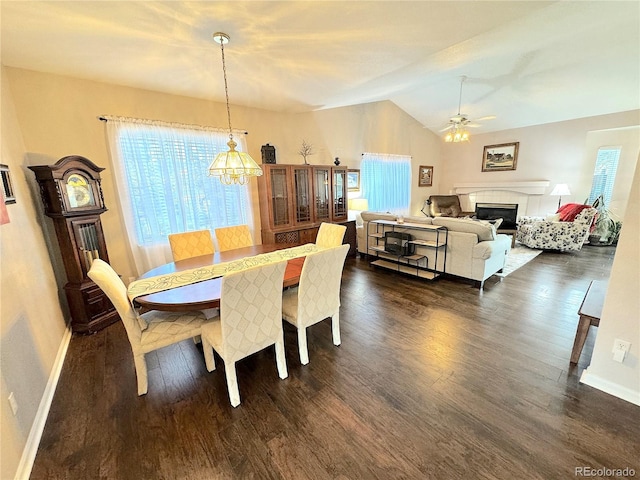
x: 386, y: 182
x: 164, y: 187
x: 604, y: 174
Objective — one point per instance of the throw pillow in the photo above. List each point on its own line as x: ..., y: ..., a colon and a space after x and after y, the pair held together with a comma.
x: 569, y: 211
x: 552, y: 217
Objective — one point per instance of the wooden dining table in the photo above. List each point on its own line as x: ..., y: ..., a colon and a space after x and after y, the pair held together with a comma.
x: 206, y: 294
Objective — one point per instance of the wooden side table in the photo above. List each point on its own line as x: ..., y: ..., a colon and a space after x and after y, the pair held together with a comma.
x: 590, y: 312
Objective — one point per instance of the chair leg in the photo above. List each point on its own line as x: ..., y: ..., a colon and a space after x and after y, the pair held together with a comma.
x: 302, y: 345
x: 280, y: 359
x: 335, y: 328
x: 232, y: 383
x: 141, y: 373
x: 207, y: 349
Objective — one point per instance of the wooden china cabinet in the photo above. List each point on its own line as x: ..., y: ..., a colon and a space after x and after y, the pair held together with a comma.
x: 72, y: 197
x: 296, y: 199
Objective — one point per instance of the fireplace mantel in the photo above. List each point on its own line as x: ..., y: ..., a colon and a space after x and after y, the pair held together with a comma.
x: 529, y: 188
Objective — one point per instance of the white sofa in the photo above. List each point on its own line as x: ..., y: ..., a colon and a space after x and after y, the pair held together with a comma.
x: 474, y: 249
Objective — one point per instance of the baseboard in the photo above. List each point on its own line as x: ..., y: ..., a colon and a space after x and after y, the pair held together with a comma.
x: 611, y: 388
x: 35, y: 435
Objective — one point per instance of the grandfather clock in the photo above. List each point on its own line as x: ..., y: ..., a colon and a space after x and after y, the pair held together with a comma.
x: 72, y: 197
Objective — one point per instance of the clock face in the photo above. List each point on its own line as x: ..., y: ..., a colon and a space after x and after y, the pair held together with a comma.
x: 79, y: 191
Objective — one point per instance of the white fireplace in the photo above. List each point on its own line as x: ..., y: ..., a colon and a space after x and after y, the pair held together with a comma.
x: 526, y: 194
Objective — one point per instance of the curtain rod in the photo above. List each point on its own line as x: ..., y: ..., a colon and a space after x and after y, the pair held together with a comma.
x: 160, y: 123
x: 387, y: 154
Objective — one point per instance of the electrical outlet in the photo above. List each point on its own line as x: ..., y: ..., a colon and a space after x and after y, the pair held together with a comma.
x: 621, y: 345
x: 13, y: 403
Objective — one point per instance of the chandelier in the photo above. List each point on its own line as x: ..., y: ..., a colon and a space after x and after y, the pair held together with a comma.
x: 232, y: 167
x: 457, y: 134
x: 457, y: 124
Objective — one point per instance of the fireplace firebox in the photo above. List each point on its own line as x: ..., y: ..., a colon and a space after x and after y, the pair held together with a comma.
x: 508, y: 212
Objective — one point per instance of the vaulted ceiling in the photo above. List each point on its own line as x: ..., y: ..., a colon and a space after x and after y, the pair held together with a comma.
x: 526, y: 62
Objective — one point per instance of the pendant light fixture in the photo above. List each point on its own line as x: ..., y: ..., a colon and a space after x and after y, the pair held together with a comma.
x: 232, y: 167
x: 458, y: 123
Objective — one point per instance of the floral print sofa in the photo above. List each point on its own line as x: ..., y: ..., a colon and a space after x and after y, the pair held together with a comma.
x: 549, y: 234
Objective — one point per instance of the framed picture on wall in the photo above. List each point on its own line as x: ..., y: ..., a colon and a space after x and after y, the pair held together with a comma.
x: 353, y: 180
x: 7, y: 186
x: 496, y: 158
x: 425, y: 176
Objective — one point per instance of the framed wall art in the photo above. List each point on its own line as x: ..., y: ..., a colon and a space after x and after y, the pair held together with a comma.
x: 353, y: 180
x: 496, y: 158
x: 7, y: 186
x: 425, y: 176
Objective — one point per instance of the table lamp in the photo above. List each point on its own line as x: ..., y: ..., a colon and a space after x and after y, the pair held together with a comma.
x: 560, y: 189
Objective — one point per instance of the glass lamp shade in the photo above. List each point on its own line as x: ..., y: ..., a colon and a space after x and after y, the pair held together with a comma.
x: 234, y: 167
x: 457, y: 135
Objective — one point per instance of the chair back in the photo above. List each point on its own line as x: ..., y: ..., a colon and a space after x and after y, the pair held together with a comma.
x: 108, y: 280
x: 251, y: 310
x: 330, y: 235
x: 444, y: 206
x: 230, y: 238
x: 191, y: 244
x: 319, y: 287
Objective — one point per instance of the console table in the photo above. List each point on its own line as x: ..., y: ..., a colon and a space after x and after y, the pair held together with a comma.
x: 430, y: 256
x: 590, y: 312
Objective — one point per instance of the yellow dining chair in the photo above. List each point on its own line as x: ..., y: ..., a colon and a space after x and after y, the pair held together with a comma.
x: 191, y: 244
x: 230, y: 238
x: 330, y: 235
x: 148, y: 331
x: 317, y: 296
x: 250, y: 320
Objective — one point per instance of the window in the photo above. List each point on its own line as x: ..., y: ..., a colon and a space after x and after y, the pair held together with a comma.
x: 160, y: 172
x: 386, y: 182
x: 604, y: 174
x: 169, y: 189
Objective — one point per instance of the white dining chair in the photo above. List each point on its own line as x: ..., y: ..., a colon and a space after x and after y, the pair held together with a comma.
x: 317, y: 296
x: 148, y: 331
x: 191, y: 244
x: 230, y: 238
x: 250, y: 320
x: 330, y: 235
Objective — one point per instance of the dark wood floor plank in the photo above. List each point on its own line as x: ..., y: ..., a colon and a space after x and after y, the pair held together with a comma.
x: 432, y: 380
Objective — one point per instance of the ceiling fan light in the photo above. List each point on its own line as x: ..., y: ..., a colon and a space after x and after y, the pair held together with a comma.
x: 448, y: 137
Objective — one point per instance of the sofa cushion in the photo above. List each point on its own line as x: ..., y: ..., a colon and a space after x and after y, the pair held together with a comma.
x: 368, y: 216
x: 483, y: 229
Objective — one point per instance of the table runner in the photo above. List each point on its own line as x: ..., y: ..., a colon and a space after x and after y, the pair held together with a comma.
x: 159, y: 283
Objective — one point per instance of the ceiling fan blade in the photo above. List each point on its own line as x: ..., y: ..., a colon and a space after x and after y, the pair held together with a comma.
x: 446, y: 128
x: 488, y: 117
x: 472, y: 125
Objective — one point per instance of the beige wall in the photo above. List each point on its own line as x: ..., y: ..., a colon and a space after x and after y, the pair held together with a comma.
x: 59, y: 114
x: 621, y: 312
x: 562, y: 152
x: 31, y: 331
x: 45, y: 117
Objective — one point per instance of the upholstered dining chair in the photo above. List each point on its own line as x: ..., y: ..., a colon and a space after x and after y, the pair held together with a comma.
x: 250, y: 320
x: 317, y: 296
x: 330, y: 235
x: 148, y: 331
x: 230, y: 238
x: 191, y: 244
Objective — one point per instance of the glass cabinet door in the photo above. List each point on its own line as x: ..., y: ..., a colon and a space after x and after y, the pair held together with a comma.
x: 322, y: 193
x: 279, y: 196
x: 302, y: 194
x: 339, y: 192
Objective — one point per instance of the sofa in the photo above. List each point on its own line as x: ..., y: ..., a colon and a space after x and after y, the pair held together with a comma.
x: 555, y: 232
x: 474, y: 249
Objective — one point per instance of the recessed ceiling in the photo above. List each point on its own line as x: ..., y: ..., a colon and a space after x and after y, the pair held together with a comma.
x: 527, y: 63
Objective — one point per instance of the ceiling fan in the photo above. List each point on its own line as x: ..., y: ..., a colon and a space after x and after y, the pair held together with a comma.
x: 457, y: 126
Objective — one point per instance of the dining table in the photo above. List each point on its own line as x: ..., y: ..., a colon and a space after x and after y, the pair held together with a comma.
x: 206, y: 294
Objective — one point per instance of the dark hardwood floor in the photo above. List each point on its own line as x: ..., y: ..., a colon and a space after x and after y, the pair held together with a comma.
x: 432, y: 380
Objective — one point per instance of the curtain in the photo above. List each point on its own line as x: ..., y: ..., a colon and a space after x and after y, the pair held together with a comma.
x: 162, y: 183
x: 386, y: 182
